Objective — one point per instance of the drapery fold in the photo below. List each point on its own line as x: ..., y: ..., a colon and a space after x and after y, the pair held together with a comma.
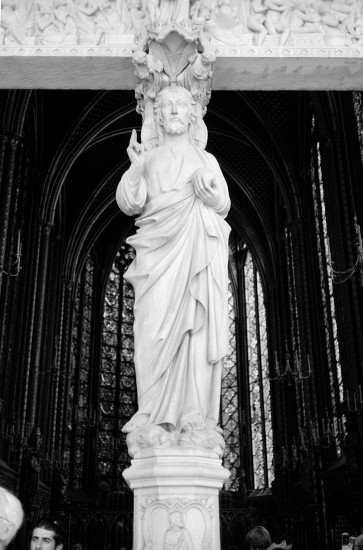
x: 181, y: 303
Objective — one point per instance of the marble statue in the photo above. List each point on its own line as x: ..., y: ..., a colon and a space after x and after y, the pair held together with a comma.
x: 43, y: 15
x: 53, y: 21
x: 108, y: 18
x: 64, y: 15
x: 256, y: 20
x: 276, y: 20
x: 137, y: 14
x: 233, y: 22
x: 16, y: 20
x: 198, y: 74
x: 173, y: 10
x: 153, y: 9
x: 88, y: 28
x: 177, y: 537
x: 180, y: 196
x: 303, y: 18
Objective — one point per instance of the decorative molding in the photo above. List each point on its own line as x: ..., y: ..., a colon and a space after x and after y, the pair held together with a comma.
x: 304, y: 46
x: 236, y: 27
x: 158, y: 467
x: 123, y: 49
x: 176, y: 498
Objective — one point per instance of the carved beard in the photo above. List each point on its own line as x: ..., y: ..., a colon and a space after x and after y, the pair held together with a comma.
x: 175, y: 127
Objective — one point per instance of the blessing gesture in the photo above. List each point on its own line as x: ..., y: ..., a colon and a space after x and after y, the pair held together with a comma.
x: 135, y: 150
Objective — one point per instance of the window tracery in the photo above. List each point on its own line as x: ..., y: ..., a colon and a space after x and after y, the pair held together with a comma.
x: 327, y: 286
x: 259, y: 383
x: 358, y: 111
x: 81, y: 359
x: 117, y: 386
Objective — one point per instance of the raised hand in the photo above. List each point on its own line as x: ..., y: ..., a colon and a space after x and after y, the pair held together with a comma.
x: 206, y: 187
x: 136, y: 150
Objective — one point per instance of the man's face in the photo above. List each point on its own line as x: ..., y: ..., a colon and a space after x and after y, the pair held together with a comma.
x: 175, y: 113
x: 43, y: 539
x: 5, y: 526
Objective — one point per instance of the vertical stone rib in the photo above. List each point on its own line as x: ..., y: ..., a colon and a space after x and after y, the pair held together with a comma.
x: 7, y: 177
x: 57, y: 374
x: 45, y: 230
x: 65, y: 358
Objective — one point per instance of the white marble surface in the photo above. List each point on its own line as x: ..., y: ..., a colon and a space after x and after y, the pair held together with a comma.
x: 180, y: 277
x: 176, y: 499
x: 36, y: 23
x: 297, y: 56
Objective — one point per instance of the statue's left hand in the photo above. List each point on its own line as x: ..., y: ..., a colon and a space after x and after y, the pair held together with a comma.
x: 206, y: 187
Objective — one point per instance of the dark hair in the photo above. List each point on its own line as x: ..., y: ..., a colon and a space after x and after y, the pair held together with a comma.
x: 51, y: 525
x: 258, y: 537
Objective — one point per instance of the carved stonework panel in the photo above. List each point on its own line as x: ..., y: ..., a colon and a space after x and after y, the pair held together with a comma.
x: 102, y: 27
x: 177, y: 55
x: 149, y: 437
x: 183, y: 523
x: 176, y: 499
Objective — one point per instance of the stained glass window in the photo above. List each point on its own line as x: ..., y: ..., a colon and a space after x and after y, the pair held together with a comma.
x: 358, y: 110
x: 259, y: 383
x: 80, y: 369
x: 117, y: 400
x: 230, y: 402
x: 246, y: 279
x: 326, y: 282
x: 117, y: 384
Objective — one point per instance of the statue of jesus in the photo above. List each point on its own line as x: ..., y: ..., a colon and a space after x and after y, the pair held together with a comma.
x: 179, y: 274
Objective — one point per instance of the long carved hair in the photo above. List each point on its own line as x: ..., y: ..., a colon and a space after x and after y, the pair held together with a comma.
x: 192, y: 107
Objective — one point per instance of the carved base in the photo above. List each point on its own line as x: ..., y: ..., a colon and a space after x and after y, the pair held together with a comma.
x: 176, y: 499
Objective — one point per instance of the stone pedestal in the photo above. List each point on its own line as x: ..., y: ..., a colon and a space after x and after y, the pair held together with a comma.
x: 176, y: 498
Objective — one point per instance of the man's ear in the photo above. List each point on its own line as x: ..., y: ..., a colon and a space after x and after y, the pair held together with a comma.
x: 59, y: 547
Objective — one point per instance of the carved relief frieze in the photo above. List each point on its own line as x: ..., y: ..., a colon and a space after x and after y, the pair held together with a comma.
x: 183, y: 523
x: 149, y: 437
x: 323, y: 28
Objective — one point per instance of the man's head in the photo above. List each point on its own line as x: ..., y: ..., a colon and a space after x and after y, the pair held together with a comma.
x: 358, y: 543
x: 258, y: 538
x: 176, y: 519
x: 174, y: 111
x: 11, y: 517
x: 208, y: 57
x: 46, y: 535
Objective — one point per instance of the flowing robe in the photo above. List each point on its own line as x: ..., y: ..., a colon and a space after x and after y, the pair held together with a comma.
x: 181, y: 282
x: 173, y: 10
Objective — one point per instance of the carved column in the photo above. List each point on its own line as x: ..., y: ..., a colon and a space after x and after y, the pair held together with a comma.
x: 176, y: 471
x: 65, y: 346
x: 41, y: 283
x: 176, y: 498
x: 10, y: 172
x: 8, y: 166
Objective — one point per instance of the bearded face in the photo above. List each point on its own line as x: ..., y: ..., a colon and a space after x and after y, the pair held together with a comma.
x: 175, y: 113
x: 175, y: 127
